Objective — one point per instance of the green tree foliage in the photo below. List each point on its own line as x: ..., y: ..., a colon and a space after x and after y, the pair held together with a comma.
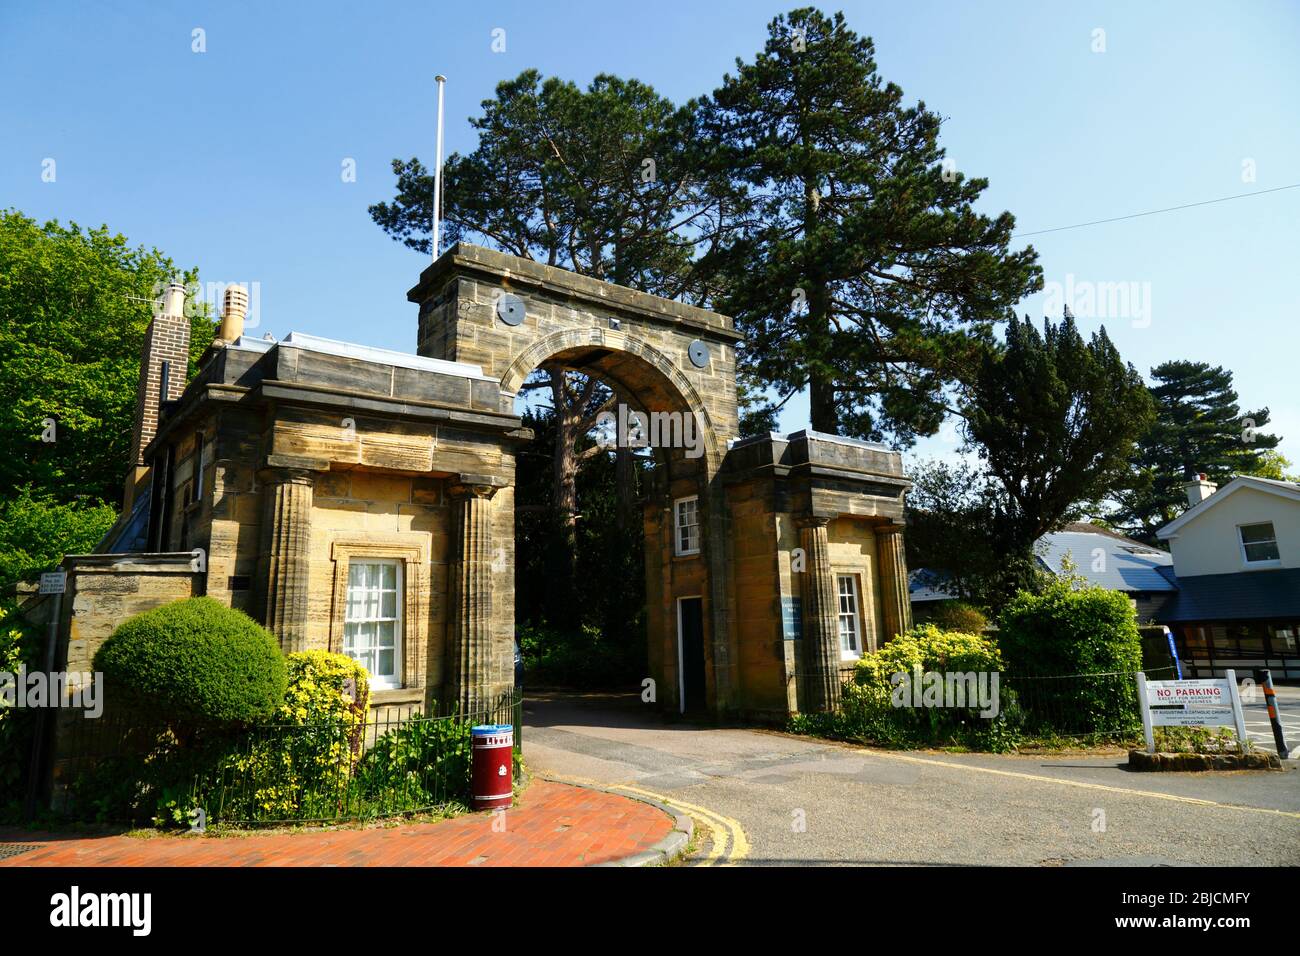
x: 74, y: 307
x: 1054, y: 419
x: 858, y: 266
x: 954, y: 514
x: 195, y: 663
x: 1198, y: 428
x: 36, y: 532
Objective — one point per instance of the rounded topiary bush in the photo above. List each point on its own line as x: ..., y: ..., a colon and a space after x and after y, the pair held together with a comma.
x: 195, y: 662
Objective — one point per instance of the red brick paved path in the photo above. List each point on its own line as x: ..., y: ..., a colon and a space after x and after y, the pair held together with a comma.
x: 552, y: 824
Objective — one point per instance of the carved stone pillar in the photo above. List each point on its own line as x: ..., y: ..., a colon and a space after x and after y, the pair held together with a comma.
x: 470, y: 599
x: 821, y: 640
x: 894, y: 593
x: 287, y: 536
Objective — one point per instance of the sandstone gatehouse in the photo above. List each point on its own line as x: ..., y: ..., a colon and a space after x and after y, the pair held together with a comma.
x: 361, y: 500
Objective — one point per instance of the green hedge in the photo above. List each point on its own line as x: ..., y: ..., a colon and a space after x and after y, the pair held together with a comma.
x: 875, y: 709
x: 1072, y: 629
x: 195, y: 663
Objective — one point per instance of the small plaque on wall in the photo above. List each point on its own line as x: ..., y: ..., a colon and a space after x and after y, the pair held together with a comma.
x: 792, y: 618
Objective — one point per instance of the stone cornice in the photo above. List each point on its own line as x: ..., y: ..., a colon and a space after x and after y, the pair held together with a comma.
x: 526, y: 275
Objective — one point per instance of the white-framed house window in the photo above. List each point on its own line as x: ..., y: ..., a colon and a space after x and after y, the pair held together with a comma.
x: 686, y: 525
x: 849, y: 620
x: 1259, y: 544
x: 372, y: 623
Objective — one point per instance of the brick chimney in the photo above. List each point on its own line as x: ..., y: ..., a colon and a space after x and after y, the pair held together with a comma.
x: 163, y: 366
x: 1198, y: 489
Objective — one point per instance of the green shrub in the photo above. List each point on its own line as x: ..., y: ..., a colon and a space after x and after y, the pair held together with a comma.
x: 196, y: 664
x: 1071, y: 651
x: 958, y: 616
x: 296, y: 766
x: 20, y: 645
x: 868, y: 708
x: 420, y: 764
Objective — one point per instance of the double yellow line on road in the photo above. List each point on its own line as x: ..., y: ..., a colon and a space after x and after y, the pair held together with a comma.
x: 728, y: 845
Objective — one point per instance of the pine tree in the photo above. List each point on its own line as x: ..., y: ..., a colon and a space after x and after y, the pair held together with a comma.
x: 1198, y: 429
x: 859, y: 269
x: 1054, y: 418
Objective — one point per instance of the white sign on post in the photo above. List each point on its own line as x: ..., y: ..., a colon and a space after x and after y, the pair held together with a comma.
x: 1190, y: 703
x: 54, y: 582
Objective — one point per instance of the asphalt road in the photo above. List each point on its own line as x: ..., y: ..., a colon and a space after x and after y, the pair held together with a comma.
x: 765, y: 798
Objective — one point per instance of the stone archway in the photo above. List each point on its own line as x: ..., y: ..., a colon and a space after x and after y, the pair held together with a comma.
x: 668, y: 356
x: 789, y: 545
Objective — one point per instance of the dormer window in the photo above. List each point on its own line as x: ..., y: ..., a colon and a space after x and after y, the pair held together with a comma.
x: 1259, y: 543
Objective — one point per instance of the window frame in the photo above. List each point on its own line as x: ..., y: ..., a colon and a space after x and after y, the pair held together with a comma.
x: 678, y: 526
x: 378, y: 682
x: 1264, y: 562
x: 854, y: 653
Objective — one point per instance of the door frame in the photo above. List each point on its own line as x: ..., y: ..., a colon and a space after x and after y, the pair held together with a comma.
x: 681, y: 657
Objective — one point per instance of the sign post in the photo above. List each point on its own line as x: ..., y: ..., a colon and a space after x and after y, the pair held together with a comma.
x: 1146, y: 712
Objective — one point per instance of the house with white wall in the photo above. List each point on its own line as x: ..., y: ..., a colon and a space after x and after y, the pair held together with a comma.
x: 1236, y: 555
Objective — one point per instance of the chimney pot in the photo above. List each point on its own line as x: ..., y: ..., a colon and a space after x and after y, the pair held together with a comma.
x: 174, y: 300
x: 234, y: 308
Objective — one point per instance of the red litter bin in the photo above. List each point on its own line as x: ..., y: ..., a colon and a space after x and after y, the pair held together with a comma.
x: 493, y: 778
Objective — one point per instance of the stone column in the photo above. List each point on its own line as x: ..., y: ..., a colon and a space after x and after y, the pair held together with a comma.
x: 471, y: 675
x: 894, y: 593
x: 288, y: 493
x: 820, y: 688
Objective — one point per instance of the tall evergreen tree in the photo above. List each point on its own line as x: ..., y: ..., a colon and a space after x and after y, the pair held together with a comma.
x: 1199, y: 428
x: 1054, y: 418
x: 859, y: 268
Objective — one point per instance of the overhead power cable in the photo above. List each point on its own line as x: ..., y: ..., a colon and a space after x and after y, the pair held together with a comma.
x: 1155, y: 212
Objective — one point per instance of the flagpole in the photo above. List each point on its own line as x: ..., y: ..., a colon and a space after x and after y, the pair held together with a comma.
x: 437, y: 176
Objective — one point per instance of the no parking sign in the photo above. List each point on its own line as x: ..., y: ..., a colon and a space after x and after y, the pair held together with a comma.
x: 1190, y: 703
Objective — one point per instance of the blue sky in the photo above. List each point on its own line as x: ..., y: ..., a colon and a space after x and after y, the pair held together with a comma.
x: 231, y: 159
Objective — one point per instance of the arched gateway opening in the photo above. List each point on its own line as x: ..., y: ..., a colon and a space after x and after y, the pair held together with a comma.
x: 362, y: 500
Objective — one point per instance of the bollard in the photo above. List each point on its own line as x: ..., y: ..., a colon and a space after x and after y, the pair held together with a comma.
x: 1265, y: 678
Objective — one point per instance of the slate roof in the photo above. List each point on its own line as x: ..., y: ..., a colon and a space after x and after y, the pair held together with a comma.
x: 1236, y: 596
x: 1128, y: 566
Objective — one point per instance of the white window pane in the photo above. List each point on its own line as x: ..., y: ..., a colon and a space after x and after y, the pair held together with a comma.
x: 389, y: 575
x: 388, y: 604
x: 385, y: 666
